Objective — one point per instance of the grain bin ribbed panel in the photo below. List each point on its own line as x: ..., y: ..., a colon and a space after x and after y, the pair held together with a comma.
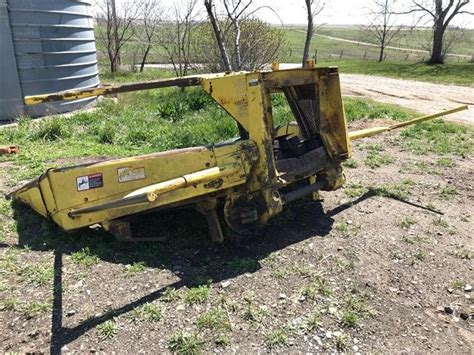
x: 54, y: 48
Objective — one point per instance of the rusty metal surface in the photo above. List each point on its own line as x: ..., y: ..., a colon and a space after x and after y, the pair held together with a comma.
x: 80, y: 94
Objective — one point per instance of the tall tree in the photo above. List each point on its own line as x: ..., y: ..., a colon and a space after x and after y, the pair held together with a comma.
x: 441, y: 13
x: 313, y: 8
x: 382, y: 30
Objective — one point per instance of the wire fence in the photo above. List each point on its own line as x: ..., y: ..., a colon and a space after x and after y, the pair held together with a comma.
x: 295, y: 54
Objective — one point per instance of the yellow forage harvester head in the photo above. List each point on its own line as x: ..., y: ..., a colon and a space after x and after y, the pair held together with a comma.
x: 248, y: 179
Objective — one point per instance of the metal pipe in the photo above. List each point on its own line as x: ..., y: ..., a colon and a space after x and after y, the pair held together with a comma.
x: 302, y: 192
x: 109, y: 90
x: 363, y: 133
x: 150, y: 193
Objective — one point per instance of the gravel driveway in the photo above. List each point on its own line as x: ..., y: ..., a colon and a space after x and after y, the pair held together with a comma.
x: 417, y: 95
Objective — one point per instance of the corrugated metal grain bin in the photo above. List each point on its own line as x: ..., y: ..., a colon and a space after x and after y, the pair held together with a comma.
x: 53, y: 50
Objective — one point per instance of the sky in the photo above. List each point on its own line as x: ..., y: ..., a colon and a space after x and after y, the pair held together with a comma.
x: 336, y: 12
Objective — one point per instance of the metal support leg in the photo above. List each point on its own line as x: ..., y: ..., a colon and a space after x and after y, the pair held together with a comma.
x: 315, y: 195
x: 214, y: 226
x: 209, y: 210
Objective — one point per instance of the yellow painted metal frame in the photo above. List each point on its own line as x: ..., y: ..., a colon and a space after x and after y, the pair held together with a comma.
x: 246, y: 96
x: 241, y: 171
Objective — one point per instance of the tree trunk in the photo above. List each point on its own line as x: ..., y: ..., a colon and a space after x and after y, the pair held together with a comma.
x: 116, y: 40
x: 219, y: 36
x: 382, y: 48
x: 309, y: 33
x: 142, y: 65
x: 437, y: 56
x: 238, y: 54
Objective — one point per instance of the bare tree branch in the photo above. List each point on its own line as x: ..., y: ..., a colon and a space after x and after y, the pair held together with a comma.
x: 313, y: 8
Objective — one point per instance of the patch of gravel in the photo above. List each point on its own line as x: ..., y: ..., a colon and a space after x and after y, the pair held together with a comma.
x: 416, y: 95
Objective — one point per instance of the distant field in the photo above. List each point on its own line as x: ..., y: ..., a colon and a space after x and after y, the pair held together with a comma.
x: 328, y: 49
x: 415, y: 39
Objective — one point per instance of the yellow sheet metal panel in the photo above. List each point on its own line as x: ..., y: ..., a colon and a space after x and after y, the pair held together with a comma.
x: 31, y: 195
x: 88, y: 185
x: 108, y: 180
x: 333, y: 126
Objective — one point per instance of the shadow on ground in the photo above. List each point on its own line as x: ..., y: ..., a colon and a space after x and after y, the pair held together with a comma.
x: 187, y: 245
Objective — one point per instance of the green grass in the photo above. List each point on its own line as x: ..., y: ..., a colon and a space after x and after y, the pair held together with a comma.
x: 107, y: 330
x: 253, y: 314
x: 196, y: 295
x: 376, y: 159
x: 215, y: 319
x: 355, y: 308
x: 449, y: 73
x: 276, y: 337
x: 313, y: 321
x: 407, y: 222
x: 37, y: 274
x: 448, y: 191
x: 351, y: 164
x: 397, y: 191
x: 183, y: 343
x: 242, y: 264
x: 9, y: 304
x: 316, y: 288
x: 148, y: 312
x: 169, y: 295
x: 354, y: 190
x: 34, y: 308
x: 134, y: 269
x: 84, y: 257
x: 440, y: 137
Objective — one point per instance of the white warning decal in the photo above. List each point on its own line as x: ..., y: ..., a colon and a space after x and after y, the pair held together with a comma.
x: 130, y: 174
x: 88, y: 182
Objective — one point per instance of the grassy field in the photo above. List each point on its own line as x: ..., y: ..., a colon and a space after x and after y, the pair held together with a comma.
x: 450, y: 73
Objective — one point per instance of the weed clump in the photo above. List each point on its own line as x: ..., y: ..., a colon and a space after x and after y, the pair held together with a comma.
x: 183, y: 343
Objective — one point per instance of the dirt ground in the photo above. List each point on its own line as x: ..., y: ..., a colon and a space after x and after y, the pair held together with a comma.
x: 417, y: 95
x: 359, y: 272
